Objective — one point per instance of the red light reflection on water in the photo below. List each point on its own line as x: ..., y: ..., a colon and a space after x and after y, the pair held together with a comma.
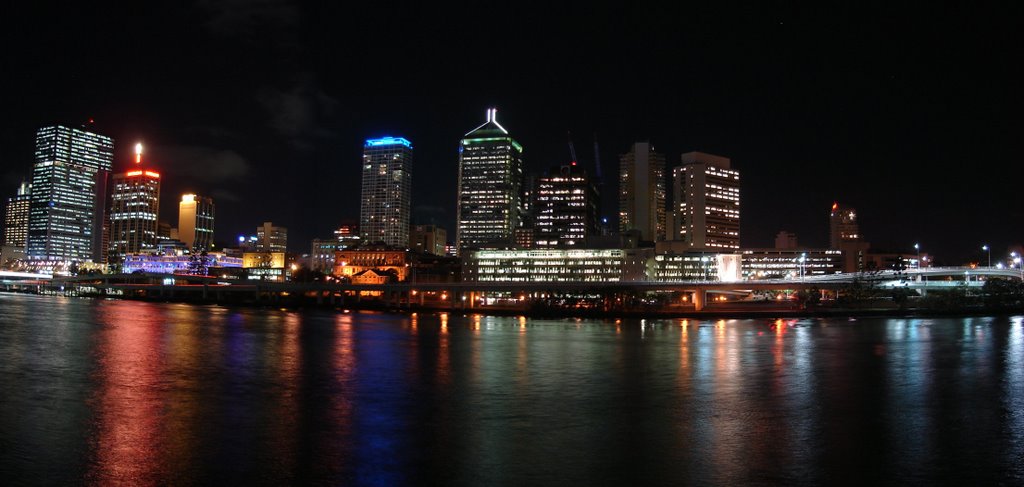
x: 127, y: 424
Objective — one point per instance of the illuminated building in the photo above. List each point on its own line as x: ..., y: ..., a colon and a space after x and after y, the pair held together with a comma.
x: 265, y: 266
x: 564, y: 208
x: 321, y: 255
x: 429, y: 239
x: 489, y: 200
x: 543, y: 265
x: 66, y: 206
x: 16, y: 218
x: 386, y: 191
x: 642, y: 192
x: 706, y: 203
x: 780, y: 263
x: 347, y: 235
x: 178, y: 262
x: 270, y: 238
x: 195, y: 221
x: 349, y: 262
x: 135, y: 204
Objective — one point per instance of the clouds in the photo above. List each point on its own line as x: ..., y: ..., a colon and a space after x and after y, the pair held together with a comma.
x: 205, y: 164
x: 249, y: 20
x: 297, y: 112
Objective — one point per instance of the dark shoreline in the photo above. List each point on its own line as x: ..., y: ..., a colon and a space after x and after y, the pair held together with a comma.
x: 557, y: 313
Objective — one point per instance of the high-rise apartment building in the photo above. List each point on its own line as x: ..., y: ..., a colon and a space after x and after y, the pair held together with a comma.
x: 270, y: 238
x: 134, y: 209
x: 706, y: 202
x: 69, y: 181
x: 642, y: 192
x: 16, y: 218
x: 564, y: 207
x: 386, y: 191
x: 489, y: 199
x: 195, y: 221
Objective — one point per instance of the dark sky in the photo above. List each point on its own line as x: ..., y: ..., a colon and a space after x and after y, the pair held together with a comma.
x: 914, y: 117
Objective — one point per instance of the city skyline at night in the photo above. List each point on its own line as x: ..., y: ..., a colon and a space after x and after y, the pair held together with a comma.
x: 813, y: 109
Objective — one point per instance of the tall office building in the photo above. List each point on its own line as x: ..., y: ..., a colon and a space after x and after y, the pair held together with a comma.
x: 66, y: 206
x: 195, y: 221
x: 386, y: 192
x: 564, y: 207
x: 706, y: 202
x: 270, y: 238
x: 134, y: 207
x: 842, y: 224
x: 16, y: 218
x: 642, y: 192
x: 489, y: 199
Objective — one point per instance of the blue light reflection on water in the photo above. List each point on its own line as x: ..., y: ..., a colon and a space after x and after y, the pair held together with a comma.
x: 143, y: 393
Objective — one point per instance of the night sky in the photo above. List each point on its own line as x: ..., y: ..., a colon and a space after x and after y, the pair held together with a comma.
x: 913, y: 117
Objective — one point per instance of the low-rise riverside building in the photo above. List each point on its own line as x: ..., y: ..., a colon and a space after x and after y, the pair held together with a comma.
x: 790, y: 263
x: 544, y: 265
x: 178, y: 262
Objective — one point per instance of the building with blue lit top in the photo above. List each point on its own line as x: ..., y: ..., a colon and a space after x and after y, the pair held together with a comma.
x: 386, y: 195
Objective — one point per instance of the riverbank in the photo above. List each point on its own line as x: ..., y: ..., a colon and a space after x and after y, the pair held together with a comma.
x: 712, y: 312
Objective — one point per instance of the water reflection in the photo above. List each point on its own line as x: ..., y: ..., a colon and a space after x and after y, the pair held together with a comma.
x: 127, y: 441
x: 185, y: 394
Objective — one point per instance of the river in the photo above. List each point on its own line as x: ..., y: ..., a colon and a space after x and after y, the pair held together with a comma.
x: 140, y: 393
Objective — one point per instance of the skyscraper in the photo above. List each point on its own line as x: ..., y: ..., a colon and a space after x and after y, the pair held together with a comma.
x: 489, y: 200
x: 706, y: 202
x: 16, y: 218
x: 386, y: 191
x: 195, y: 221
x: 564, y: 207
x: 134, y: 206
x: 69, y: 180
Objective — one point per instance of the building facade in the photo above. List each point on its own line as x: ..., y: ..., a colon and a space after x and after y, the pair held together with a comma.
x: 134, y: 208
x: 350, y: 262
x: 706, y: 203
x: 564, y: 206
x: 642, y: 192
x: 790, y: 263
x: 844, y: 235
x: 69, y: 184
x: 428, y: 239
x: 270, y: 238
x: 543, y: 265
x: 489, y: 198
x: 16, y: 218
x: 195, y: 221
x: 386, y: 195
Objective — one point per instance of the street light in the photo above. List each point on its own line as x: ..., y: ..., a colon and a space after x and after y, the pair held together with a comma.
x: 1017, y: 260
x: 988, y: 249
x: 917, y: 247
x: 803, y: 258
